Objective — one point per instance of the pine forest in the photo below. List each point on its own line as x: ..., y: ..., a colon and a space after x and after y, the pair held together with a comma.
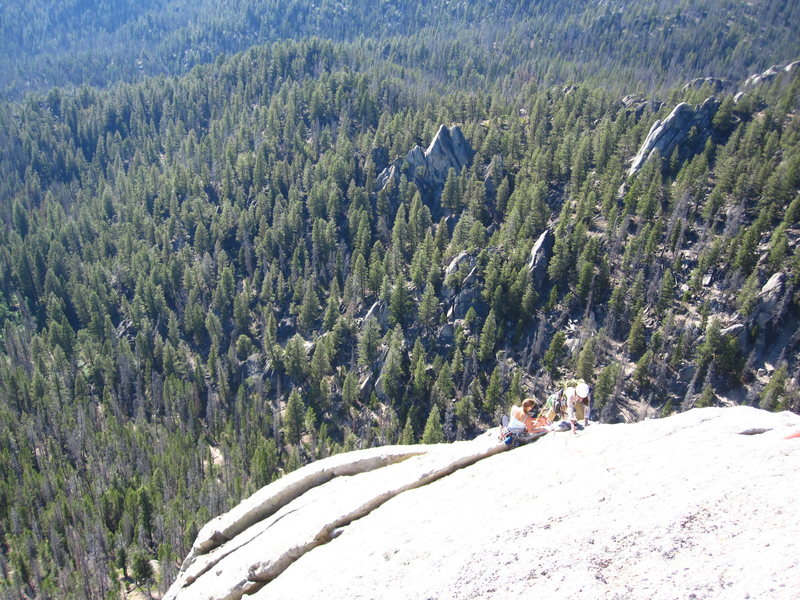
x: 239, y: 237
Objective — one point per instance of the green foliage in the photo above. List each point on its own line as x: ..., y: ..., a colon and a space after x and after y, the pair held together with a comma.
x: 265, y: 461
x: 491, y: 400
x: 555, y: 354
x: 399, y: 305
x: 488, y: 337
x: 433, y: 433
x: 368, y: 343
x: 641, y: 374
x: 606, y: 382
x: 636, y: 335
x: 707, y: 397
x: 585, y: 367
x: 293, y: 420
x: 774, y: 392
x: 408, y: 437
x: 171, y: 248
x: 141, y: 570
x: 720, y: 351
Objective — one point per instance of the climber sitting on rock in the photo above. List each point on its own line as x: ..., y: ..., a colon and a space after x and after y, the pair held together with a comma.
x: 520, y: 418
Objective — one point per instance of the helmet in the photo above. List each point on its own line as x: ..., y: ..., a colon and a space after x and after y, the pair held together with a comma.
x: 582, y: 389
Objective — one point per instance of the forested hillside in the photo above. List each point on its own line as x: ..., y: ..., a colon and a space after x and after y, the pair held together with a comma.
x: 633, y: 45
x: 209, y: 279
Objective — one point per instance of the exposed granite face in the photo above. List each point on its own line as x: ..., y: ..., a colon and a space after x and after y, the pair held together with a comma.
x: 541, y: 253
x: 769, y: 310
x: 238, y: 553
x: 770, y: 74
x: 697, y: 491
x: 448, y: 150
x: 428, y: 168
x: 666, y: 135
x: 636, y: 105
x: 716, y: 84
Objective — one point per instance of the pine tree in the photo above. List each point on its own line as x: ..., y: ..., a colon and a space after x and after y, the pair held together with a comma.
x: 488, y: 338
x: 399, y: 305
x: 554, y: 354
x: 264, y: 464
x: 433, y: 433
x: 293, y: 419
x: 428, y: 306
x: 419, y: 377
x: 368, y: 342
x: 636, y: 336
x: 308, y: 309
x: 585, y: 367
x: 667, y: 291
x: 350, y: 390
x: 493, y: 392
x: 408, y: 437
x: 394, y: 369
x: 141, y: 570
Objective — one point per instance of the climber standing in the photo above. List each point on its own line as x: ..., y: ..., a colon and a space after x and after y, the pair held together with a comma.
x: 577, y: 404
x: 571, y: 401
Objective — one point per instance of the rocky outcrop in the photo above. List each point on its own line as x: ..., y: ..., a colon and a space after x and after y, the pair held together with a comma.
x: 636, y: 105
x: 713, y: 83
x: 541, y: 253
x: 770, y: 74
x: 665, y: 136
x: 238, y: 553
x: 701, y: 503
x: 463, y: 257
x: 467, y: 297
x: 737, y: 330
x: 462, y: 292
x: 769, y: 300
x: 495, y: 172
x: 428, y: 168
x: 378, y: 311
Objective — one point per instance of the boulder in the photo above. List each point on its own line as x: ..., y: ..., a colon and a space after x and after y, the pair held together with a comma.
x: 737, y: 330
x: 471, y: 280
x: 459, y: 260
x: 773, y: 289
x: 446, y: 334
x: 636, y: 105
x: 468, y: 297
x: 665, y: 136
x: 365, y: 387
x: 387, y: 174
x: 769, y: 299
x: 449, y: 149
x: 541, y: 253
x: 379, y: 312
x: 380, y: 390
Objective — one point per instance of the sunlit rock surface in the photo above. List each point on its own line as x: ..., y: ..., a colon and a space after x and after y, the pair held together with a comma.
x: 700, y: 503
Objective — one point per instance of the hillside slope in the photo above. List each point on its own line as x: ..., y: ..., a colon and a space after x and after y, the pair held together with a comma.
x: 47, y: 43
x: 312, y: 247
x: 696, y: 505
